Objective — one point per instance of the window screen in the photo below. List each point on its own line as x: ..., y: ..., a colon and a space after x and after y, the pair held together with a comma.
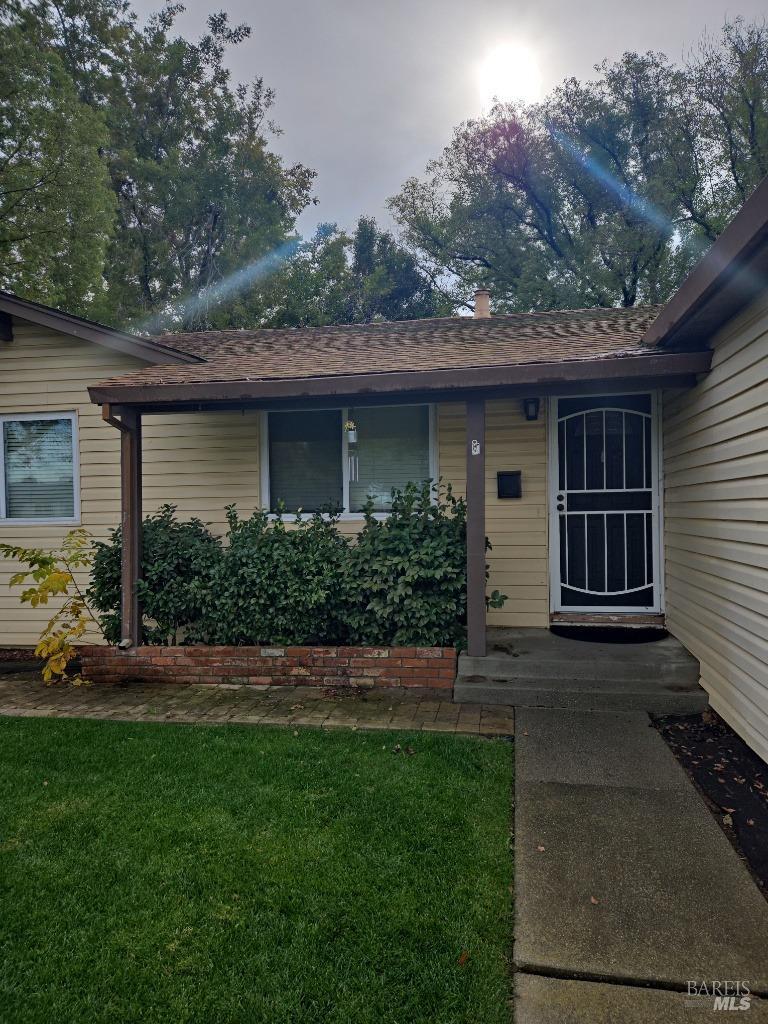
x: 305, y: 461
x: 392, y: 449
x: 39, y: 469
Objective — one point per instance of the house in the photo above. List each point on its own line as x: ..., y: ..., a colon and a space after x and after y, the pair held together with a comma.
x: 617, y: 459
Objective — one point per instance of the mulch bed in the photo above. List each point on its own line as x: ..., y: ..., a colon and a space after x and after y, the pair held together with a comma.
x: 18, y: 659
x: 17, y: 654
x: 732, y: 779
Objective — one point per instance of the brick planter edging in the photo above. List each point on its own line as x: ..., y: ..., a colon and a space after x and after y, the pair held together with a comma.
x: 289, y: 666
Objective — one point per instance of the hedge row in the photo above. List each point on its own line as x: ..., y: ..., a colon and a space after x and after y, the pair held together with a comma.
x: 401, y: 582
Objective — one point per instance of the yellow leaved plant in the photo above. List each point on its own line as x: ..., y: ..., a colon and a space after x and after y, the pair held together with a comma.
x: 53, y: 575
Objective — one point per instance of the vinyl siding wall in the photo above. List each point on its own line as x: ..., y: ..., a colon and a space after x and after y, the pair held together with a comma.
x: 198, y: 462
x: 516, y: 528
x: 204, y: 461
x: 716, y: 523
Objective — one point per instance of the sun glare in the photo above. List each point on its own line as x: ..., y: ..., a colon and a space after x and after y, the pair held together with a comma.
x: 509, y: 71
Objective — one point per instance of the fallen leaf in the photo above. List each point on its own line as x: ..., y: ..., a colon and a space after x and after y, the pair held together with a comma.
x: 594, y: 900
x: 295, y: 732
x: 541, y: 849
x: 463, y: 958
x: 525, y: 732
x: 410, y: 750
x: 729, y: 810
x: 727, y: 819
x: 750, y: 821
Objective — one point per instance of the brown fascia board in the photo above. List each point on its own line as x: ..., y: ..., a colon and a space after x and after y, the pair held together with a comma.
x: 665, y: 365
x: 87, y: 330
x: 733, y: 271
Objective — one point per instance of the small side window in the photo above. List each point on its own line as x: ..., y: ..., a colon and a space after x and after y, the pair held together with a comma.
x: 37, y: 461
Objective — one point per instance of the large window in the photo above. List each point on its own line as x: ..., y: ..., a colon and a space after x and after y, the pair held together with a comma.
x: 38, y: 467
x: 338, y: 458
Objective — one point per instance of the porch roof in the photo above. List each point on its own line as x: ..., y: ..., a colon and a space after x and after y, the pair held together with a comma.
x: 440, y: 355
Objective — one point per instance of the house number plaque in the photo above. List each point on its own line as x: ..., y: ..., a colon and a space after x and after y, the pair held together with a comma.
x: 475, y: 447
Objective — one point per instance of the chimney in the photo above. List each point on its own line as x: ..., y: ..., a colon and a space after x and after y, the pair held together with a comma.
x: 482, y: 303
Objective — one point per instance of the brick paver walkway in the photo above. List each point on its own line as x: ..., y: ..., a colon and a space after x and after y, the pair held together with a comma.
x: 24, y: 695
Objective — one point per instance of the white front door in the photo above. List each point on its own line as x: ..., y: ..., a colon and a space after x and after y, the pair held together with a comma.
x: 604, y: 504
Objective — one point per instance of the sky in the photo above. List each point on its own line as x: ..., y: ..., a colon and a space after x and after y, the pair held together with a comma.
x: 369, y: 90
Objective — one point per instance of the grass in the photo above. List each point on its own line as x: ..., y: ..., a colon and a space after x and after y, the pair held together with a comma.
x: 167, y: 873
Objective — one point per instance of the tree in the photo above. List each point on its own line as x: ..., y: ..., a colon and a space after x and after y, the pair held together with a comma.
x: 56, y: 205
x: 606, y: 193
x: 338, y: 278
x: 199, y: 193
x: 730, y: 78
x: 388, y: 283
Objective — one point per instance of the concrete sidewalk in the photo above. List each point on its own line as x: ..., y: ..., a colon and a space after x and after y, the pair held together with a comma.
x: 626, y: 888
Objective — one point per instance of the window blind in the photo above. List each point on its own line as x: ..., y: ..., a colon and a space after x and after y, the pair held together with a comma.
x: 305, y: 469
x: 39, y: 469
x: 392, y: 449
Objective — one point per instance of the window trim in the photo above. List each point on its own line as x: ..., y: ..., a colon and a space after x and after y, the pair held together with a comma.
x: 73, y: 520
x: 345, y: 516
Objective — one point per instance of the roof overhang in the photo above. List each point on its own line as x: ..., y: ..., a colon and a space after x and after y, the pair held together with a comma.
x: 645, y: 370
x: 732, y: 274
x: 86, y: 330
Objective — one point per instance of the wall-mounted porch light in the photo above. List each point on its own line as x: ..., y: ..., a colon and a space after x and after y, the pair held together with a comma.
x: 531, y: 408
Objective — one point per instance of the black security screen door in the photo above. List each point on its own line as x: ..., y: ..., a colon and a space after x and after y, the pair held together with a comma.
x: 605, y: 503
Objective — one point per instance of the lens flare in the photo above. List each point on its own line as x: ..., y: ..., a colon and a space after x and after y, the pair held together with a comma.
x: 189, y: 308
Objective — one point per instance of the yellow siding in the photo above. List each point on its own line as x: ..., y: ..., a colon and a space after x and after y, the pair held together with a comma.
x: 204, y: 461
x: 716, y: 523
x: 516, y: 528
x: 198, y: 462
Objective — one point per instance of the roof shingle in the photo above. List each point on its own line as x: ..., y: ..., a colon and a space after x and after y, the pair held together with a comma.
x: 445, y: 343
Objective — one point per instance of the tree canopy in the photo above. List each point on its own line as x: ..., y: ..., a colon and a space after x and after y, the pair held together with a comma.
x: 139, y: 185
x: 608, y: 191
x: 197, y: 191
x: 56, y: 207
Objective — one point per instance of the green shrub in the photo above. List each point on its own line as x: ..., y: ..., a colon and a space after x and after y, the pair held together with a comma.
x: 407, y: 574
x: 178, y: 561
x: 402, y: 583
x: 276, y: 585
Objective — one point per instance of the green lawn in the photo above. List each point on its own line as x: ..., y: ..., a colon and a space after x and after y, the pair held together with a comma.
x: 164, y: 873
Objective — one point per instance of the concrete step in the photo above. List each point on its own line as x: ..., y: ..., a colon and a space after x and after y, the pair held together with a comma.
x: 601, y: 669
x: 534, y: 668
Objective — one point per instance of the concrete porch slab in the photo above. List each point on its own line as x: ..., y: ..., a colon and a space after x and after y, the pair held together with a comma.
x: 541, y: 1000
x: 536, y: 668
x: 621, y: 873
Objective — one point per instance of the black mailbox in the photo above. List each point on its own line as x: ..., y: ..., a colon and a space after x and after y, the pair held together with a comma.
x: 509, y: 483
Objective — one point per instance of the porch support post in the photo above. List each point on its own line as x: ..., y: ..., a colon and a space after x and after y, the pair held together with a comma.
x: 130, y: 484
x: 476, y: 527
